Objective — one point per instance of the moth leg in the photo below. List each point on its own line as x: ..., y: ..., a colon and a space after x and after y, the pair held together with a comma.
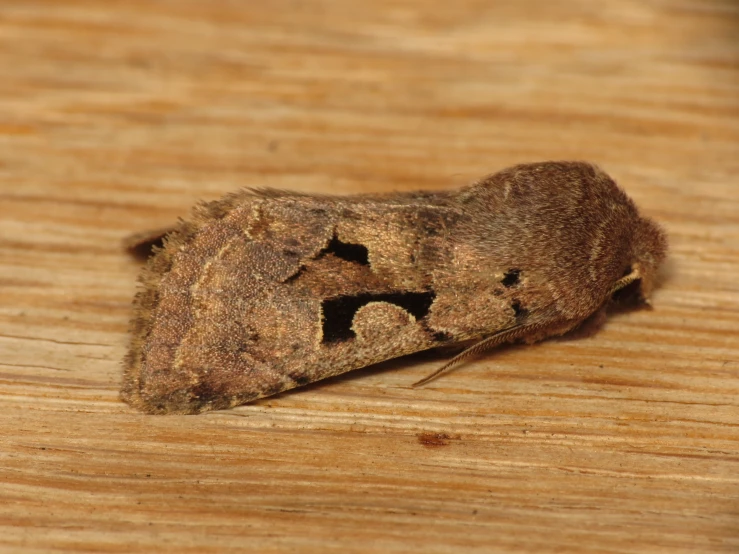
x: 624, y: 281
x: 500, y: 337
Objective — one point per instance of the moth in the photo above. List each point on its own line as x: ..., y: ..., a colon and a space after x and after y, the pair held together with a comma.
x: 266, y: 290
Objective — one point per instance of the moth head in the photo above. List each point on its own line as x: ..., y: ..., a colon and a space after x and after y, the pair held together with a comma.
x: 648, y: 251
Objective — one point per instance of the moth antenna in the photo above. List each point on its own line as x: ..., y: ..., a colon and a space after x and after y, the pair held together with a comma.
x: 625, y: 281
x: 478, y: 348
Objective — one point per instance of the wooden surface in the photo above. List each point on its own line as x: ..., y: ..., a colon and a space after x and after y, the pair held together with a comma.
x: 117, y: 116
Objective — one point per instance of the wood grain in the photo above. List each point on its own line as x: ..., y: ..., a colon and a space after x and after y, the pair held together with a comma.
x: 117, y: 116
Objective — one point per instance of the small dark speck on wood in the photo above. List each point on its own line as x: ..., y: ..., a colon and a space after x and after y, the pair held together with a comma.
x: 433, y: 440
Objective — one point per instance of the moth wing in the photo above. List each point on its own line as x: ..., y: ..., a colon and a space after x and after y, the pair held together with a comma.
x: 282, y: 290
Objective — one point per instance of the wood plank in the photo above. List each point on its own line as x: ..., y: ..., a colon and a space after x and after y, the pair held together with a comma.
x: 117, y: 116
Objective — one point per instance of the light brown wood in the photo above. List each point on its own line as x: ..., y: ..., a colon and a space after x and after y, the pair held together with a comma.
x: 116, y: 117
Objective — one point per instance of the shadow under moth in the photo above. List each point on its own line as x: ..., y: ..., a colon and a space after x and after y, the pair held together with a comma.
x: 266, y: 290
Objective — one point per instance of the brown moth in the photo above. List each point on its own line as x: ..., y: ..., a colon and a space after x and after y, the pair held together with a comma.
x: 265, y: 290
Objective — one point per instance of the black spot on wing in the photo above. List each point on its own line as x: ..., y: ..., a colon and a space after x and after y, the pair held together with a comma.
x: 356, y: 253
x: 511, y: 278
x: 519, y: 311
x: 339, y: 312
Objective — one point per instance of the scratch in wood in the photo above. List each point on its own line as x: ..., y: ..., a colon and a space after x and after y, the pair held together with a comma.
x: 35, y: 366
x: 55, y: 341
